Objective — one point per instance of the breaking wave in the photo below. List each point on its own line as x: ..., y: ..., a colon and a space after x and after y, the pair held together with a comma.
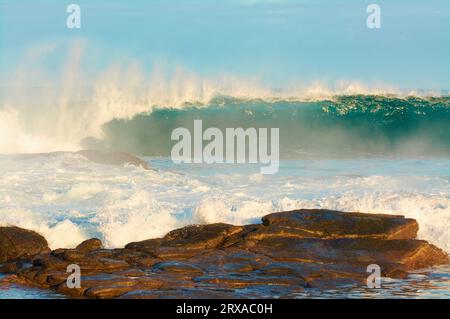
x: 40, y: 112
x: 348, y: 126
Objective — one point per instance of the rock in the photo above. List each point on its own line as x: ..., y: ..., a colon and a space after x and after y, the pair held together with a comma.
x: 71, y: 292
x: 239, y: 282
x: 135, y: 258
x: 51, y: 262
x: 113, y: 158
x: 107, y: 292
x: 148, y: 247
x: 71, y: 255
x: 230, y: 260
x: 57, y: 278
x: 102, y: 265
x: 10, y: 267
x: 334, y: 224
x: 289, y: 253
x: 200, y: 236
x: 17, y: 243
x: 178, y: 267
x: 89, y: 245
x: 193, y: 237
x: 133, y: 273
x: 360, y: 250
x: 9, y: 280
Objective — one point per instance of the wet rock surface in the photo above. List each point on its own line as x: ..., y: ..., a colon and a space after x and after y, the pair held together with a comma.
x: 17, y: 243
x: 288, y: 253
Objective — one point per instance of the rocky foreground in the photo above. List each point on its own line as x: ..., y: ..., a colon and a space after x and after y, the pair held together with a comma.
x: 288, y: 253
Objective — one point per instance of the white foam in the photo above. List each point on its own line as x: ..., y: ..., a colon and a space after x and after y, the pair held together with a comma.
x: 64, y: 234
x: 133, y: 218
x: 238, y: 213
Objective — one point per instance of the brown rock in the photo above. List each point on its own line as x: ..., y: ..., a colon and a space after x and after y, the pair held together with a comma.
x: 102, y: 265
x: 51, y: 262
x: 286, y: 255
x: 170, y: 280
x: 195, y: 237
x: 101, y: 253
x: 57, y: 277
x: 89, y: 245
x: 230, y: 260
x: 149, y: 246
x: 200, y: 236
x: 133, y: 273
x: 107, y: 292
x: 11, y: 267
x: 72, y: 292
x: 178, y: 267
x: 136, y: 258
x: 319, y: 223
x: 17, y: 243
x: 71, y: 255
x: 412, y: 254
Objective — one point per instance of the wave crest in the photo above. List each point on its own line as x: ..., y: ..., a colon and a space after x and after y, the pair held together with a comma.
x: 61, y: 112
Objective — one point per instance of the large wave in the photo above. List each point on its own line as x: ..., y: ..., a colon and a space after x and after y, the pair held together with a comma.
x: 345, y: 125
x: 341, y: 126
x: 41, y: 112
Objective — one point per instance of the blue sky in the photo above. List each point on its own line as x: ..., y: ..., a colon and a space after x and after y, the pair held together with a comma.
x: 277, y: 41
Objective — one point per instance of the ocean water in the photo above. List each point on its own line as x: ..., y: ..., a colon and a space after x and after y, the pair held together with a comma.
x: 429, y: 284
x: 371, y: 154
x: 13, y: 291
x: 68, y: 199
x: 341, y: 126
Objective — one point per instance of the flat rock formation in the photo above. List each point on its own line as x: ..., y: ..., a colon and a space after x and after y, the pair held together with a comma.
x: 289, y: 253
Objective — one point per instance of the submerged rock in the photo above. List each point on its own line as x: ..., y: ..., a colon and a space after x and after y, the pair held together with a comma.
x: 287, y: 254
x: 113, y: 158
x: 95, y: 156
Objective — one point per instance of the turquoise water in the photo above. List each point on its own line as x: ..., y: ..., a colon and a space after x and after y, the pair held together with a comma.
x: 345, y: 126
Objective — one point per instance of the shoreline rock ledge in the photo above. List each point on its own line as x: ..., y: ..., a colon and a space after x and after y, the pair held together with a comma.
x: 289, y: 253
